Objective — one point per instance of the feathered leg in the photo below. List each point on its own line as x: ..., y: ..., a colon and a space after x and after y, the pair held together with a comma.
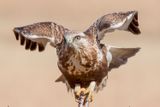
x: 86, y: 93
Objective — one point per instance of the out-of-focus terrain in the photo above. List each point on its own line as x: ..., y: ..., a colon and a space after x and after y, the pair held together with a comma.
x: 27, y: 78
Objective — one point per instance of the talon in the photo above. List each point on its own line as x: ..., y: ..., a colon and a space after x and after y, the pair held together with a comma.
x: 81, y: 91
x: 89, y: 95
x: 90, y: 91
x: 78, y: 92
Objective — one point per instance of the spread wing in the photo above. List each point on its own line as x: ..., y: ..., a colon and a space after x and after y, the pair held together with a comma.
x: 119, y: 56
x: 127, y: 21
x: 39, y: 34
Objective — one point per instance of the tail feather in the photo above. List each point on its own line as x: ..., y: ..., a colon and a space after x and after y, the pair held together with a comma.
x: 60, y: 79
x: 63, y: 80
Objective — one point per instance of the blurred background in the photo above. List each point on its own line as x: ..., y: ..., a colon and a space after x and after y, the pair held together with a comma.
x: 27, y: 78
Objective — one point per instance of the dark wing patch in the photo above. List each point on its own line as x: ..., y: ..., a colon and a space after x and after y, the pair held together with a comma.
x: 133, y: 27
x: 41, y: 47
x: 28, y: 44
x: 33, y: 46
x: 22, y: 40
x: 16, y: 34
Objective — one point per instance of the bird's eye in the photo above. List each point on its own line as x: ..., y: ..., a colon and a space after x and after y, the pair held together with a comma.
x: 78, y: 37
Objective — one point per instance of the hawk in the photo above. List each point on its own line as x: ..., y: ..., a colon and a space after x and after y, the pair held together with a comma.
x: 82, y: 59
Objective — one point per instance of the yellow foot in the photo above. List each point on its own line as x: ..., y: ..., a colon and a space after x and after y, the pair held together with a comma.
x: 78, y: 93
x: 89, y: 95
x: 86, y: 93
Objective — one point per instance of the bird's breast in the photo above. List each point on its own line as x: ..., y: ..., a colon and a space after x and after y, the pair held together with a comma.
x: 83, y: 67
x: 81, y: 63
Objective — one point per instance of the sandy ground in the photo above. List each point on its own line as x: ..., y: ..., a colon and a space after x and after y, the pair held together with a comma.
x: 27, y: 78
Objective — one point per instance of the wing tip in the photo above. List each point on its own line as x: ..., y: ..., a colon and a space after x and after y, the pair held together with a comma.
x: 134, y: 25
x: 41, y: 47
x: 137, y: 49
x: 33, y: 46
x: 29, y: 45
x: 16, y: 33
x: 132, y: 12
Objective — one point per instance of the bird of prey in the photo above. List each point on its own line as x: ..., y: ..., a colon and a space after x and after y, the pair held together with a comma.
x: 82, y: 59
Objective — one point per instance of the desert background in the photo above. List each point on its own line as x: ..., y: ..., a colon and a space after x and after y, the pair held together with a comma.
x: 27, y: 78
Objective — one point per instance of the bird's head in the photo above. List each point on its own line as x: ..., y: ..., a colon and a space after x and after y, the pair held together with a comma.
x: 77, y: 40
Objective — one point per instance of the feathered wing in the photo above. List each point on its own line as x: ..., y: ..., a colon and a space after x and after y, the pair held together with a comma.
x: 127, y: 21
x: 39, y: 34
x: 119, y: 56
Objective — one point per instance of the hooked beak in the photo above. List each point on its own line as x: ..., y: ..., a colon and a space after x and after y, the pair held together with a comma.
x: 69, y: 41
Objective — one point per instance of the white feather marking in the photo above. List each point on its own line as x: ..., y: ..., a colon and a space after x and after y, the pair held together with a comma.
x: 118, y: 25
x: 77, y: 88
x: 52, y: 42
x: 123, y: 25
x: 100, y: 55
x: 130, y: 16
x: 127, y: 22
x: 39, y: 39
x: 84, y: 42
x: 92, y: 86
x: 109, y: 55
x: 81, y: 33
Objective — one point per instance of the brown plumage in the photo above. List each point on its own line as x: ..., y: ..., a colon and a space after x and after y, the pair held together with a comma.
x: 82, y: 59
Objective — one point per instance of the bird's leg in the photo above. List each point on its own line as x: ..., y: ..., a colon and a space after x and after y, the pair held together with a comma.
x: 87, y: 93
x: 78, y: 91
x: 90, y: 91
